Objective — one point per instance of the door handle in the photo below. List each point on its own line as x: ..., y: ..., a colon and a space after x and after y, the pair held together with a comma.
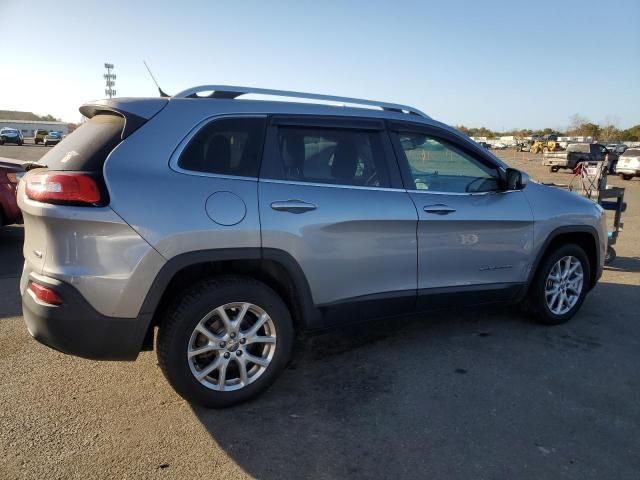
x: 439, y: 209
x: 293, y: 206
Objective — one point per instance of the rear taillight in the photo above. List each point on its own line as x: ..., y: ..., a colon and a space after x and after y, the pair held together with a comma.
x: 45, y: 294
x: 62, y: 187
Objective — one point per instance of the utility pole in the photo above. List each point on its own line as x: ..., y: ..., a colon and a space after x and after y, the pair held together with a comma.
x: 110, y: 80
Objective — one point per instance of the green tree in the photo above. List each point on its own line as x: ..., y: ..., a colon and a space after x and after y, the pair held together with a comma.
x: 631, y: 134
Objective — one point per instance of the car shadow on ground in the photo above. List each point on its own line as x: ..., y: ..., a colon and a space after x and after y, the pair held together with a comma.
x: 457, y: 393
x: 11, y: 260
x: 624, y: 264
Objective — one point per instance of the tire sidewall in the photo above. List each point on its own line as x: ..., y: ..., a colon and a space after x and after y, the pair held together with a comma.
x: 541, y: 309
x: 177, y: 340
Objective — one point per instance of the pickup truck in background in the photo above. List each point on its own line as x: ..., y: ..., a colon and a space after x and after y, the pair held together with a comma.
x: 576, y: 153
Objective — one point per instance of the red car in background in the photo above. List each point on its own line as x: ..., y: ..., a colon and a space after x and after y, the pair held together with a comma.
x: 10, y: 172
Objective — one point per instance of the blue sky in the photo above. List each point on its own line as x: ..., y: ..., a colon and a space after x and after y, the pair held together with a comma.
x: 472, y: 63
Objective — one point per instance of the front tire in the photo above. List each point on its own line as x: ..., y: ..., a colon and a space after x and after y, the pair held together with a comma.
x: 224, y: 341
x: 560, y: 285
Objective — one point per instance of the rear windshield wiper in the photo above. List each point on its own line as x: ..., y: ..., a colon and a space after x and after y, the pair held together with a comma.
x: 31, y: 165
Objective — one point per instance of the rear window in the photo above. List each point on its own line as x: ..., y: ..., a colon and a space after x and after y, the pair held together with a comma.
x: 229, y: 146
x: 578, y: 147
x: 632, y: 152
x: 87, y: 147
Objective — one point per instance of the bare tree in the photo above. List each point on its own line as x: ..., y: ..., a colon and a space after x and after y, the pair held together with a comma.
x: 576, y: 121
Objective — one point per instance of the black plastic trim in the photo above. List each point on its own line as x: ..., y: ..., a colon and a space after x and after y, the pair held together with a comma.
x: 328, y: 121
x: 565, y: 230
x: 76, y: 328
x: 465, y: 296
x: 179, y: 262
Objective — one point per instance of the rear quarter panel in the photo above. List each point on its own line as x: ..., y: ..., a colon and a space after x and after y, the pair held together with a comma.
x: 166, y: 207
x: 92, y: 249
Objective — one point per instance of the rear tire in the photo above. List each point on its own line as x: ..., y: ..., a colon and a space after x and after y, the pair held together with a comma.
x: 195, y: 321
x: 549, y: 308
x: 625, y: 176
x: 553, y: 169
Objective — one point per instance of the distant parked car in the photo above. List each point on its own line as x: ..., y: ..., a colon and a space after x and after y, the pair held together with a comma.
x: 629, y: 164
x: 485, y: 145
x: 39, y: 134
x: 10, y: 171
x: 53, y: 138
x: 11, y: 135
x: 499, y: 146
x: 618, y: 148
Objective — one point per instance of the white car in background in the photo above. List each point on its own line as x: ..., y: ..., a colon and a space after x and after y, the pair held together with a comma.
x: 629, y: 164
x: 499, y: 146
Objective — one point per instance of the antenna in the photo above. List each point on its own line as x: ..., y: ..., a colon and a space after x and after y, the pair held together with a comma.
x: 162, y: 94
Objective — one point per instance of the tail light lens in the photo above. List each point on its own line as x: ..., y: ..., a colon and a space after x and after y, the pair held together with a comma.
x: 45, y: 294
x: 63, y: 187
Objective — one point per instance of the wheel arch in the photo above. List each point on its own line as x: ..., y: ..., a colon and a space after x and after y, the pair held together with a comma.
x: 273, y: 267
x: 584, y: 236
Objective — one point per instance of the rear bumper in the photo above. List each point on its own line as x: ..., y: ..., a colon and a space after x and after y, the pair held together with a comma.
x: 78, y: 329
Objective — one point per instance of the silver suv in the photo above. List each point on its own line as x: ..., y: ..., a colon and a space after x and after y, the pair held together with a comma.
x: 223, y: 226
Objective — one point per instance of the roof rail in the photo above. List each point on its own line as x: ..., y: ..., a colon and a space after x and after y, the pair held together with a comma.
x: 230, y: 92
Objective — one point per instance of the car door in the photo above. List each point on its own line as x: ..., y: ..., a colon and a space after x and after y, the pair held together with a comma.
x: 332, y: 198
x: 473, y: 237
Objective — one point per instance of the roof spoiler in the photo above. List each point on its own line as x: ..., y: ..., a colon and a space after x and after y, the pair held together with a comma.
x: 135, y: 111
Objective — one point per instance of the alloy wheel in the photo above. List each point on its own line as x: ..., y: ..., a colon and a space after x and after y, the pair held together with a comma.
x: 564, y: 285
x: 231, y: 346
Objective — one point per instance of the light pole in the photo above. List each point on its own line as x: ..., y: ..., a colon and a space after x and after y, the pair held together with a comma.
x: 110, y: 80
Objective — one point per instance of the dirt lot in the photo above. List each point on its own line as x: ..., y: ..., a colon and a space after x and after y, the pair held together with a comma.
x: 479, y: 393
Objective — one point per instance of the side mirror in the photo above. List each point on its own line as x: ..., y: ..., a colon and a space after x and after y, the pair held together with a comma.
x: 515, y: 179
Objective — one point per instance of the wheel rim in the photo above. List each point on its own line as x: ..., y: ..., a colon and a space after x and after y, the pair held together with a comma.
x: 564, y: 285
x: 231, y: 346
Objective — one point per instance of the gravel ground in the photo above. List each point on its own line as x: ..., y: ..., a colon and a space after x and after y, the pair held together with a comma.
x: 477, y: 393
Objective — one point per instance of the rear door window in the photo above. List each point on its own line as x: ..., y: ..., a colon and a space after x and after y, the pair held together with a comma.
x: 227, y: 146
x: 332, y: 156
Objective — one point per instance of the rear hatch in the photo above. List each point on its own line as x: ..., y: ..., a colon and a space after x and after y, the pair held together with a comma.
x: 630, y: 159
x: 63, y: 196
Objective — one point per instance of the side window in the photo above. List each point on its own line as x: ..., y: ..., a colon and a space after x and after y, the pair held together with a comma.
x: 440, y: 166
x: 335, y: 156
x: 228, y: 146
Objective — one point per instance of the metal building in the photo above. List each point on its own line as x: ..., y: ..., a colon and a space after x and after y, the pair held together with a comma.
x: 28, y: 127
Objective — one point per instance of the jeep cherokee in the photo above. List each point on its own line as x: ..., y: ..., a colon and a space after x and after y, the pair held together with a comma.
x: 221, y: 226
